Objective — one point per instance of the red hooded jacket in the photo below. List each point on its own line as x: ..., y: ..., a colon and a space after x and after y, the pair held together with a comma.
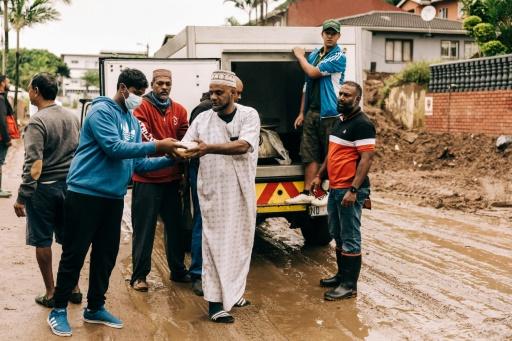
x: 157, y: 125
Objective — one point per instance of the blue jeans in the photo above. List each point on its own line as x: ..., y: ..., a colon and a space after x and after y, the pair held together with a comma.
x: 345, y: 222
x: 196, y: 267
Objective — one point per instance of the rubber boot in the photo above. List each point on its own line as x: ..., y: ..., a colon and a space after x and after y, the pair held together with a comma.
x: 335, y: 280
x: 350, y: 275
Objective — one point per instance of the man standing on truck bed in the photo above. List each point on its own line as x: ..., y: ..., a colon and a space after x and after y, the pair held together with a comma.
x: 156, y: 193
x: 325, y: 72
x: 196, y: 265
x: 50, y: 138
x: 351, y: 150
x: 109, y: 151
x: 228, y: 137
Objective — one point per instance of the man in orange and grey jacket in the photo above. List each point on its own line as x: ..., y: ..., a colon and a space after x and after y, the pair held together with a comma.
x: 156, y: 193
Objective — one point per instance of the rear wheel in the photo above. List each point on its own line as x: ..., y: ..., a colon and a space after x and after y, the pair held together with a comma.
x: 315, y: 230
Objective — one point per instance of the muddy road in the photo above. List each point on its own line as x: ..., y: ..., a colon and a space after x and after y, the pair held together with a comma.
x: 427, y: 274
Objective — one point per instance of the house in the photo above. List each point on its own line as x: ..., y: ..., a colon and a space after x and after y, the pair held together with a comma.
x: 314, y: 12
x: 397, y: 38
x: 446, y: 9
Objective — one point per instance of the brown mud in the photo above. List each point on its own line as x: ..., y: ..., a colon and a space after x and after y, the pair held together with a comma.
x: 443, y: 170
x: 427, y: 274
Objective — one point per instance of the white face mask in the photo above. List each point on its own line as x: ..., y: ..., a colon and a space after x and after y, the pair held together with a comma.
x: 132, y: 102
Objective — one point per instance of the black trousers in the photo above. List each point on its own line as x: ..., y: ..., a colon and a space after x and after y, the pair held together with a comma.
x: 148, y: 202
x: 88, y: 220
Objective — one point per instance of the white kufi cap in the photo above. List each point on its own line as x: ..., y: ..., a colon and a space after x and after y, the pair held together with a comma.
x: 224, y: 77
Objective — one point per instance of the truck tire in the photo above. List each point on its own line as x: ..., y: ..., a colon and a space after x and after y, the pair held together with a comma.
x: 315, y: 231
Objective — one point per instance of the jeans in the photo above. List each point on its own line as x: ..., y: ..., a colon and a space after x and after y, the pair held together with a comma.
x: 196, y: 266
x: 95, y: 222
x: 345, y: 222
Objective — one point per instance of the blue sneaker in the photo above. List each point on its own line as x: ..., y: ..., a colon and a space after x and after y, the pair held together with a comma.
x: 102, y: 316
x: 58, y: 322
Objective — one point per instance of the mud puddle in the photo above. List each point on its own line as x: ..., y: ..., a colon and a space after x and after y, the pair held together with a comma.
x: 426, y: 275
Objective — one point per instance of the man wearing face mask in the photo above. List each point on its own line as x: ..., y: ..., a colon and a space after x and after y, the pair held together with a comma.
x: 110, y: 150
x: 228, y: 137
x: 350, y: 155
x: 156, y: 193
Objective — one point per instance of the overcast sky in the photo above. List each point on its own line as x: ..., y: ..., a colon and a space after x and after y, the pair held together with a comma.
x: 88, y: 26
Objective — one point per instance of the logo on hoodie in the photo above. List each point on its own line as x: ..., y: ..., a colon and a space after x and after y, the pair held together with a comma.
x: 128, y: 135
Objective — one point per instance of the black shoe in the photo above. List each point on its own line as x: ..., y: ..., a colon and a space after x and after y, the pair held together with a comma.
x: 350, y: 275
x: 331, y: 282
x: 335, y: 280
x: 76, y: 297
x: 339, y: 293
x: 197, y: 287
x: 183, y: 278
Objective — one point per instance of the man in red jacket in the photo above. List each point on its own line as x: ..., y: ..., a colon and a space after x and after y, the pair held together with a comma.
x: 156, y: 193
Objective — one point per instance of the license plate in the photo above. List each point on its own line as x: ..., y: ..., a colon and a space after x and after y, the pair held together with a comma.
x: 315, y: 211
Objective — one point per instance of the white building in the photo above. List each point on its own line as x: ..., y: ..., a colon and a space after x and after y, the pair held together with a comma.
x: 78, y: 64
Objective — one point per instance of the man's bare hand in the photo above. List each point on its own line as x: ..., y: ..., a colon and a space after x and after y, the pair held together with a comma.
x: 299, y: 121
x: 349, y: 199
x: 168, y: 146
x: 299, y: 52
x: 19, y: 209
x: 317, y: 182
x: 202, y: 148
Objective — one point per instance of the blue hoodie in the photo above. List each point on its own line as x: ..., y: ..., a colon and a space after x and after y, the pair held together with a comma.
x: 109, y: 151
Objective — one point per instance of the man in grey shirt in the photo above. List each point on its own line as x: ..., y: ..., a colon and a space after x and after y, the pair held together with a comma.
x: 51, y: 138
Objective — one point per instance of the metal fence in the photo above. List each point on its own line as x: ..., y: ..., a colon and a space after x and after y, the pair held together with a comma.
x: 481, y: 74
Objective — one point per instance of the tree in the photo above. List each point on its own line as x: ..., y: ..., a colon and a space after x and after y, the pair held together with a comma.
x: 6, y: 34
x: 26, y: 13
x: 91, y: 78
x: 33, y: 61
x: 489, y: 21
x: 245, y: 5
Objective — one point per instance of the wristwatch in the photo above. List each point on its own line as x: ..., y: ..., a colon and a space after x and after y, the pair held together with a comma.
x: 353, y: 189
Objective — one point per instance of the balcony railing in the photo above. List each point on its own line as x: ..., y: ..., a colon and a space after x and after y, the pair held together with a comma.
x: 481, y: 74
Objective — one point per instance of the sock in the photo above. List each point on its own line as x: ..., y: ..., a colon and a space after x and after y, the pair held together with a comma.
x: 214, y: 307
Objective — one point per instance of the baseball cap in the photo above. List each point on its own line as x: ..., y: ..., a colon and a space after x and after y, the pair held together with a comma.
x: 331, y: 23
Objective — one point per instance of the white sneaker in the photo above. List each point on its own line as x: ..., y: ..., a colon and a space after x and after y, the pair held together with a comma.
x: 321, y: 201
x: 300, y: 199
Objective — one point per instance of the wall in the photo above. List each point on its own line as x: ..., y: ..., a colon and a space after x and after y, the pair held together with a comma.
x: 424, y: 48
x: 475, y: 112
x: 314, y: 12
x: 407, y: 105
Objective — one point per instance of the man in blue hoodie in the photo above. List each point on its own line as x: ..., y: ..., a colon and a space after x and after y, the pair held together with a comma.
x: 109, y: 152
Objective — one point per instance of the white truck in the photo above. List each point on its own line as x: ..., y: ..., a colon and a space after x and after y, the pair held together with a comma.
x: 273, y: 82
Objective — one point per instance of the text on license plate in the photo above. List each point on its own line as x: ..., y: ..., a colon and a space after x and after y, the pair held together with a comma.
x: 315, y: 211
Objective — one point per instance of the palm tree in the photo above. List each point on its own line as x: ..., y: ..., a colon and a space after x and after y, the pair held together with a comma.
x: 245, y: 5
x: 6, y: 36
x: 91, y: 78
x: 26, y: 13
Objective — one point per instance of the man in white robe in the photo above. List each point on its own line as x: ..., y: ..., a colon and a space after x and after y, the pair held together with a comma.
x: 228, y: 137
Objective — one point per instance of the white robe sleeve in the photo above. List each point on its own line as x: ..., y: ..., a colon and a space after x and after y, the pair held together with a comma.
x: 192, y: 132
x: 250, y: 130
